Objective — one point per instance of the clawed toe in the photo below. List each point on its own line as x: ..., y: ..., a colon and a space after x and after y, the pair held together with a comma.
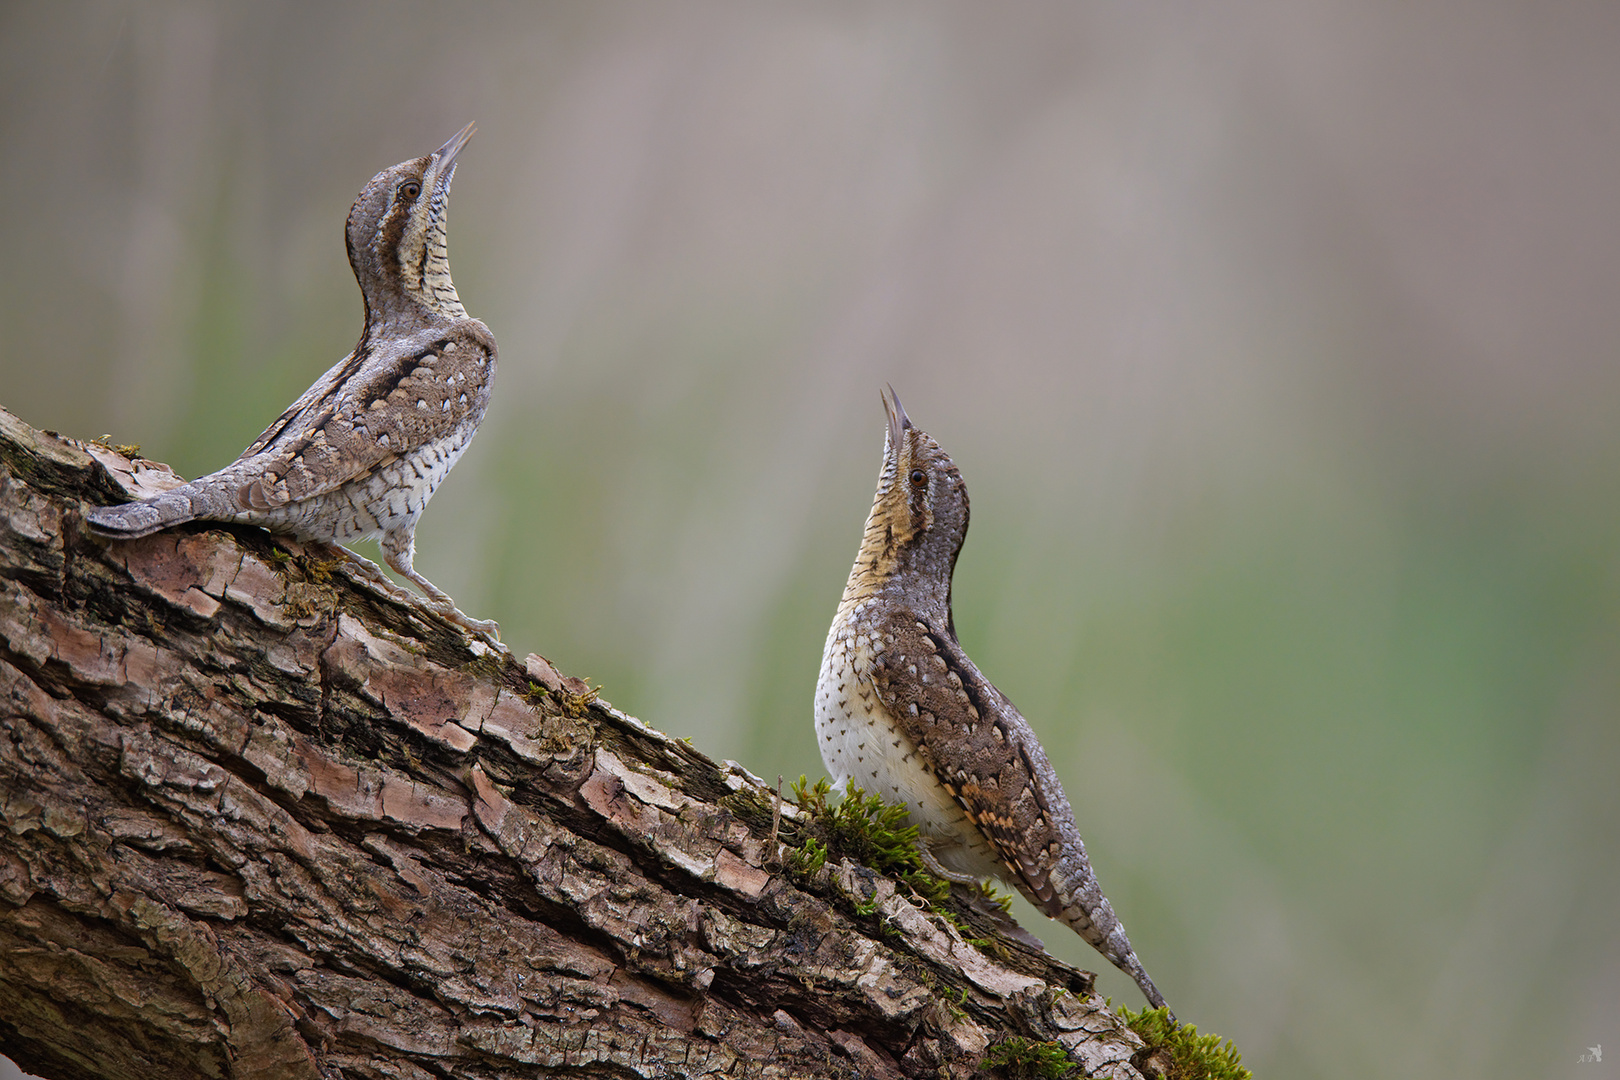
x: 487, y: 627
x: 361, y: 568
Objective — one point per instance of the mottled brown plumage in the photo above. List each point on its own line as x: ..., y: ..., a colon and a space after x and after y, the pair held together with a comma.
x: 902, y: 711
x: 361, y: 452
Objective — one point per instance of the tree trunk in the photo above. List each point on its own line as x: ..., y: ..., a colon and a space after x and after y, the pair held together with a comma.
x: 264, y: 816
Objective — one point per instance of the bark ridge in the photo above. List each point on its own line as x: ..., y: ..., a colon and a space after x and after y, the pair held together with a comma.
x: 261, y: 816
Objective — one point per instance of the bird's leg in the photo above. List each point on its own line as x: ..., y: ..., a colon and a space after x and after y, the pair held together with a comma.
x: 981, y: 900
x: 398, y: 547
x: 363, y: 569
x: 399, y: 550
x: 939, y: 871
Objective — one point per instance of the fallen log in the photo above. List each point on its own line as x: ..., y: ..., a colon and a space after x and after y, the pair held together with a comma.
x: 265, y: 815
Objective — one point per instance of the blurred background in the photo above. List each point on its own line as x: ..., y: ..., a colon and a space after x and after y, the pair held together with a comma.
x: 1276, y: 343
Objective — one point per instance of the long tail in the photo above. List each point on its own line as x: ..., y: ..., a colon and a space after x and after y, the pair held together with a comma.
x: 1114, y: 945
x: 1080, y: 903
x: 143, y: 518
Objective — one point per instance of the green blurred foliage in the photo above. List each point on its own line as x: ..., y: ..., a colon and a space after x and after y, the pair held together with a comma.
x: 1276, y: 347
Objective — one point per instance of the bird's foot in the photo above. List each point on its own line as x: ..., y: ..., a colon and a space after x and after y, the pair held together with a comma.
x: 488, y: 628
x: 362, y: 569
x: 440, y: 601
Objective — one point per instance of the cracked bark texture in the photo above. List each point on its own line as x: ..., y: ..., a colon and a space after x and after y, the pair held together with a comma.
x: 261, y: 817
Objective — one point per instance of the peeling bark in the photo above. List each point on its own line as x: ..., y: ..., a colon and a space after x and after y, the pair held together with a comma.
x: 265, y: 816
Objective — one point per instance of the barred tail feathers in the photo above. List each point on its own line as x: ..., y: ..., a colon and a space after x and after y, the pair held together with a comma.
x: 1081, y: 904
x: 137, y: 519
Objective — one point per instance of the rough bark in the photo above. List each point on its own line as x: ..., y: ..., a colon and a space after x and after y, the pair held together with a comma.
x: 264, y: 817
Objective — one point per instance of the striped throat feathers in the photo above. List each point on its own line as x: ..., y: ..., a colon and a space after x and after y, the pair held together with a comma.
x: 915, y: 530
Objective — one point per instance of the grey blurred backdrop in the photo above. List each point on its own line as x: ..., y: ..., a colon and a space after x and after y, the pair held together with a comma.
x: 1276, y: 343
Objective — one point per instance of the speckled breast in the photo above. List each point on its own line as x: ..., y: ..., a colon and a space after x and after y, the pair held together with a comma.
x: 860, y: 741
x: 387, y: 498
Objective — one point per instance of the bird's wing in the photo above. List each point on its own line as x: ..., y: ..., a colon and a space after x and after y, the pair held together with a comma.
x: 308, y: 401
x: 378, y: 405
x: 977, y: 745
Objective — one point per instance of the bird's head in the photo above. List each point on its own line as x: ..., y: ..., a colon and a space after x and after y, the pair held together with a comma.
x: 396, y: 235
x: 919, y: 517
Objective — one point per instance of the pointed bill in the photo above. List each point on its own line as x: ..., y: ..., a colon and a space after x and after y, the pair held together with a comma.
x: 445, y: 155
x: 442, y: 165
x: 899, y: 423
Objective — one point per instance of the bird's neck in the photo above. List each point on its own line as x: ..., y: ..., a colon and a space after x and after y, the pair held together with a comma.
x: 893, y: 565
x: 394, y: 308
x: 433, y: 289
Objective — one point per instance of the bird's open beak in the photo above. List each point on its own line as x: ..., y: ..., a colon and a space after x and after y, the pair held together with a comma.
x: 899, y: 423
x: 442, y: 166
x: 445, y: 155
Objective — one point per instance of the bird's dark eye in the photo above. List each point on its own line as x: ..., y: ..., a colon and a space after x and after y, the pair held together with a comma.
x: 918, y: 478
x: 410, y: 189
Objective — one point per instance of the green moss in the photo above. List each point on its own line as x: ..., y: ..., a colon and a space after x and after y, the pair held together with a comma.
x: 1191, y: 1056
x: 318, y: 570
x: 994, y: 948
x: 575, y: 706
x: 992, y: 895
x: 808, y: 857
x: 1019, y: 1058
x: 870, y: 831
x: 864, y: 827
x: 487, y: 668
x: 301, y: 599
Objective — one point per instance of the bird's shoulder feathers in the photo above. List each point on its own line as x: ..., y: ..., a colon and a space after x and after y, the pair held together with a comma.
x: 979, y: 747
x: 384, y: 401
